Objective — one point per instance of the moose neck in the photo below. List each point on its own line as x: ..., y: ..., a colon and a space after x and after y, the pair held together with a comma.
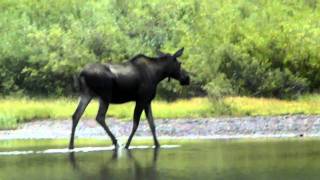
x: 161, y: 70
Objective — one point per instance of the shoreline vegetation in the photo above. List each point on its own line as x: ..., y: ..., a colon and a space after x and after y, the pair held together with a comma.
x: 18, y: 110
x: 264, y: 48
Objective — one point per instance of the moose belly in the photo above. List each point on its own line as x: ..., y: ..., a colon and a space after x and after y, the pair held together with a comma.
x: 124, y: 92
x: 119, y: 97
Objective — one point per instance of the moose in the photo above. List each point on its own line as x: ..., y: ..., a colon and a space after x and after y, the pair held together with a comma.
x: 134, y: 80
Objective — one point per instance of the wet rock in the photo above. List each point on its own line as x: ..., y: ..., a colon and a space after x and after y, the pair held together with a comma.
x: 276, y: 126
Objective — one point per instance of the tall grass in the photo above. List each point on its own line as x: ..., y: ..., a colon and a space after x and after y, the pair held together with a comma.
x: 307, y: 105
x: 14, y: 111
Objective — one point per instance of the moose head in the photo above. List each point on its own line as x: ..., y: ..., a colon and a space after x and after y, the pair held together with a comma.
x: 173, y: 67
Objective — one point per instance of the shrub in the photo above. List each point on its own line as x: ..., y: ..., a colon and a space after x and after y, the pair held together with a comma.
x: 257, y: 48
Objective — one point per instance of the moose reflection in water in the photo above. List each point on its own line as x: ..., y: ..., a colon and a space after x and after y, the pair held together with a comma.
x: 107, y: 170
x: 134, y: 80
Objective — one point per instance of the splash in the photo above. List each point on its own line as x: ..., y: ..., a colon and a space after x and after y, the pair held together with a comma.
x: 82, y: 149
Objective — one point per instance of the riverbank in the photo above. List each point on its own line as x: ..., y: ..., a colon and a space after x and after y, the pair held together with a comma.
x: 14, y: 111
x: 203, y: 128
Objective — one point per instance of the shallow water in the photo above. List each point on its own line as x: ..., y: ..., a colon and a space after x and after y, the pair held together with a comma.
x: 254, y: 159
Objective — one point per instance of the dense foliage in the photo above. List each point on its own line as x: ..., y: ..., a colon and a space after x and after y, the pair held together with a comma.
x: 247, y: 47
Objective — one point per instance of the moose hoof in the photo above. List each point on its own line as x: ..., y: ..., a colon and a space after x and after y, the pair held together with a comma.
x: 157, y: 146
x: 117, y: 146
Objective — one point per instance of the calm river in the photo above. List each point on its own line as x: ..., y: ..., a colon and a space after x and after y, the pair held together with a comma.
x: 206, y: 159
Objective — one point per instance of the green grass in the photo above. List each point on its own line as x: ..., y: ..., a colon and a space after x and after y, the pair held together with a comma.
x: 14, y: 111
x: 307, y: 105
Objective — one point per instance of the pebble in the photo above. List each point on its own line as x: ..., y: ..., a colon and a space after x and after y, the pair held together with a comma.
x: 296, y: 125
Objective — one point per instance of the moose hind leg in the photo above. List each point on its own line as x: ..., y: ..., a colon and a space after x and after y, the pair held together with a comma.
x: 136, y: 119
x: 103, y: 107
x: 84, y: 101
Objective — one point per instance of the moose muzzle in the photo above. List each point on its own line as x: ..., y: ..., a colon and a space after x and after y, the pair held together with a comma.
x: 184, y: 78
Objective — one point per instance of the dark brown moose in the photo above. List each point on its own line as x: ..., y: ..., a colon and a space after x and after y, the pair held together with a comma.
x: 134, y: 80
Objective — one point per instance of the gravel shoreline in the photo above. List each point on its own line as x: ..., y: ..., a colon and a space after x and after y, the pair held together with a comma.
x: 216, y: 128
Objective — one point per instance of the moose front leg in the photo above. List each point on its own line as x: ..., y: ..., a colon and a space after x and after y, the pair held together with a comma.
x: 136, y: 119
x: 148, y: 112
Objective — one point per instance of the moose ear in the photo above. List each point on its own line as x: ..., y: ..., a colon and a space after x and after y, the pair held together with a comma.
x: 178, y: 53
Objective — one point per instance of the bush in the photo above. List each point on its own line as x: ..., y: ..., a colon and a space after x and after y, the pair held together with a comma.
x: 257, y: 48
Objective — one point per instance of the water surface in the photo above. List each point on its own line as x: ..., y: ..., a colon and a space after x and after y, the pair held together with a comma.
x: 234, y: 160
